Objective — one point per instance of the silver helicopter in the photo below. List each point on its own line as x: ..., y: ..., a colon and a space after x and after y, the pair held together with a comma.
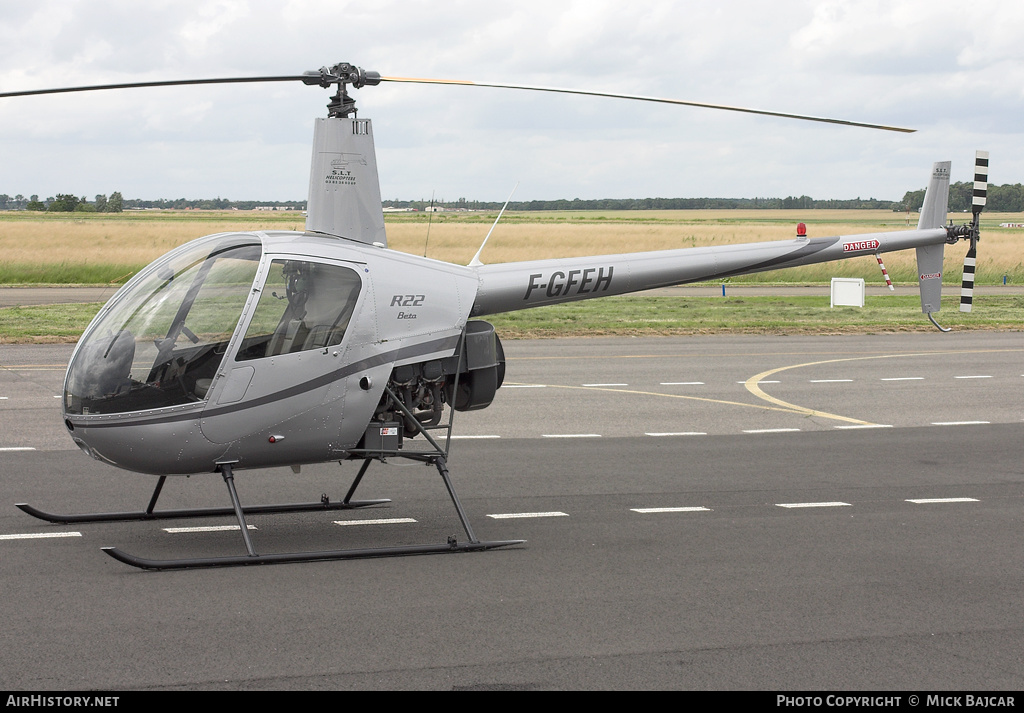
x: 258, y: 349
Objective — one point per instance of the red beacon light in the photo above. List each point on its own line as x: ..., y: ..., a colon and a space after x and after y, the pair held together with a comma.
x: 801, y: 230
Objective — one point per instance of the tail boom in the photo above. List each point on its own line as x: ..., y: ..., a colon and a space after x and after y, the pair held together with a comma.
x: 507, y: 287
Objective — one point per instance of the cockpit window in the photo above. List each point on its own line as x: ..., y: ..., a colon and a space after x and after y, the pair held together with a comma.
x: 163, y: 341
x: 304, y: 305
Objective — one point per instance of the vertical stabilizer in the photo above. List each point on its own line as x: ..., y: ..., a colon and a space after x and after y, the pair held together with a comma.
x: 929, y: 258
x: 936, y: 198
x: 344, y: 191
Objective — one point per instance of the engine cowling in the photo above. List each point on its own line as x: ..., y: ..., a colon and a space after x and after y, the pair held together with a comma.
x: 466, y: 381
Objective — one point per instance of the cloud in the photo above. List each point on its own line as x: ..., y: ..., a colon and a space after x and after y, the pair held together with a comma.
x: 953, y: 71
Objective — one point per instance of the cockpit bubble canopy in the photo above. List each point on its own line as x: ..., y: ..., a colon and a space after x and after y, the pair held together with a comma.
x: 164, y: 337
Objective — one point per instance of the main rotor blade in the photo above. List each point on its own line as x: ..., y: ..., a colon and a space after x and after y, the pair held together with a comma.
x: 413, y: 80
x: 660, y: 100
x: 137, y: 85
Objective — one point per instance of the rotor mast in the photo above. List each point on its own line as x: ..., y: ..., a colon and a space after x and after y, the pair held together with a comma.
x: 344, y: 189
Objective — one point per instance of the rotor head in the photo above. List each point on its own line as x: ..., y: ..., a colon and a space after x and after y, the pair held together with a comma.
x: 342, y: 74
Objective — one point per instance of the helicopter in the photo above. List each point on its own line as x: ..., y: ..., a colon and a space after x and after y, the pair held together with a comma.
x: 249, y: 350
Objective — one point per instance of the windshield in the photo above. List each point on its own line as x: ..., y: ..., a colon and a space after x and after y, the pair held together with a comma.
x: 162, y: 342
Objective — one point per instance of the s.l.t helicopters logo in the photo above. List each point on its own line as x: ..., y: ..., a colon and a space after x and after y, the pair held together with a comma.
x: 340, y: 173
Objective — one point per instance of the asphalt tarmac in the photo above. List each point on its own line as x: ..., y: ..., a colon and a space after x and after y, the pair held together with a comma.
x: 700, y: 513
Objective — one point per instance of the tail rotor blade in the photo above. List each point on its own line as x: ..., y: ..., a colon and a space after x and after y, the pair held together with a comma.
x: 978, y: 204
x: 967, y: 288
x: 980, y: 181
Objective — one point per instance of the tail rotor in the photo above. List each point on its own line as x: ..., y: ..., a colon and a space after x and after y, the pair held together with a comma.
x: 978, y: 204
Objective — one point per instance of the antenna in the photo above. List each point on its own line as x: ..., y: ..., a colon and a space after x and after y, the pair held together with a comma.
x: 430, y: 217
x: 475, y: 262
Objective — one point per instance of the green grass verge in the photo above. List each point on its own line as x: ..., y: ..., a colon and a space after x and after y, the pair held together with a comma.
x: 664, y: 315
x: 65, y: 273
x: 641, y: 315
x: 45, y: 323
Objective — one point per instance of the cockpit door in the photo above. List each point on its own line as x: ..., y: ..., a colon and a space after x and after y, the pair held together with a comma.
x: 286, y: 376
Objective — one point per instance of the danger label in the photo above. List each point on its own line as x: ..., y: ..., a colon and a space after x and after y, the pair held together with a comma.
x: 860, y: 245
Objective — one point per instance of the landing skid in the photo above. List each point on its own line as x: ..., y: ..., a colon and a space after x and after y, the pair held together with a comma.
x: 242, y: 560
x: 151, y: 513
x: 324, y: 504
x: 252, y: 558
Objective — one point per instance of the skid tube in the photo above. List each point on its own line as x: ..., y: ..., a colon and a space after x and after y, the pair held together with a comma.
x: 151, y: 513
x: 282, y: 558
x: 253, y: 558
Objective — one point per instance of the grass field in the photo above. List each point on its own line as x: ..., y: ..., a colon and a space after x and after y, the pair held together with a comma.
x: 102, y: 249
x: 640, y: 315
x: 108, y: 249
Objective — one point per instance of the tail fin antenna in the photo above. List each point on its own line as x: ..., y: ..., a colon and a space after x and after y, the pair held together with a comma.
x: 475, y: 262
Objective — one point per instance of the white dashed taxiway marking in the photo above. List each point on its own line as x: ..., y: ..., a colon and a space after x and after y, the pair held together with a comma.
x: 959, y: 423
x: 679, y: 433
x: 18, y: 448
x: 513, y: 515
x: 571, y: 435
x: 206, y: 528
x: 813, y: 505
x: 383, y: 521
x: 40, y: 535
x: 681, y: 509
x: 772, y: 430
x: 925, y: 501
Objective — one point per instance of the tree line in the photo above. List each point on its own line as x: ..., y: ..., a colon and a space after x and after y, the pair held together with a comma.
x: 212, y: 204
x: 116, y: 203
x: 1006, y: 198
x: 64, y: 203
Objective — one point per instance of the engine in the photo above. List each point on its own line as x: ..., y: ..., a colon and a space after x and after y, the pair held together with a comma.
x: 466, y: 381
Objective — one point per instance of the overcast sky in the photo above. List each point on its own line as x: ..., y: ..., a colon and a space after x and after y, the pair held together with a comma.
x: 952, y: 70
